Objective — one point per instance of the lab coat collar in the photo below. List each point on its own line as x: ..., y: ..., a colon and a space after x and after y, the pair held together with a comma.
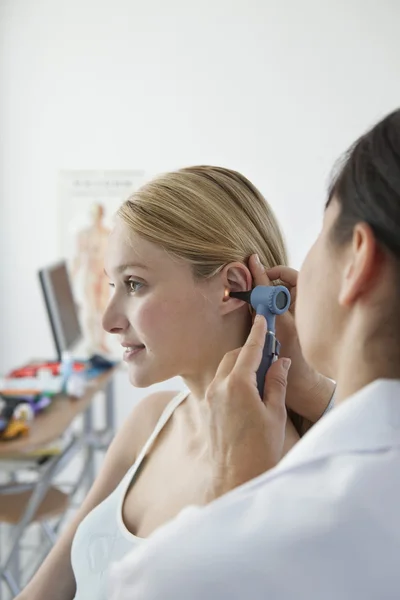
x: 368, y: 421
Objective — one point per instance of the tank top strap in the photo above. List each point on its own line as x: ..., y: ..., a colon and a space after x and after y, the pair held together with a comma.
x: 165, y: 415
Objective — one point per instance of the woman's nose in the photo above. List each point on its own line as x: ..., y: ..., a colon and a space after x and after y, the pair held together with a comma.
x: 114, y: 320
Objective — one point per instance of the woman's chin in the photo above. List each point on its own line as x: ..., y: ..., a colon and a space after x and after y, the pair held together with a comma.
x: 150, y: 372
x: 142, y: 378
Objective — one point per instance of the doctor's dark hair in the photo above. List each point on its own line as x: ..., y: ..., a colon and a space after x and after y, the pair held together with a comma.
x: 367, y: 186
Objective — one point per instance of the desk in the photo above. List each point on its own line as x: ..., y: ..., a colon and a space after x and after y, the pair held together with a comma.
x: 55, y: 420
x: 46, y: 428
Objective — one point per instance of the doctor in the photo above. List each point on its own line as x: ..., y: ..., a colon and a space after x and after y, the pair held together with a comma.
x: 325, y: 523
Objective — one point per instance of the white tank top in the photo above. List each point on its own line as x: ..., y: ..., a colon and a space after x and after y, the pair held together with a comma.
x: 102, y: 537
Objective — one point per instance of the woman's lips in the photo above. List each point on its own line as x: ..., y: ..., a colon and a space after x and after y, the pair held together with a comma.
x: 132, y: 351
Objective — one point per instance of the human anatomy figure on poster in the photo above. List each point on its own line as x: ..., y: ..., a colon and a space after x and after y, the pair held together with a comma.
x: 89, y: 264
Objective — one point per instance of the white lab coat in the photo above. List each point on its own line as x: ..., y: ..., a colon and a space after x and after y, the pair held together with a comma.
x: 323, y: 525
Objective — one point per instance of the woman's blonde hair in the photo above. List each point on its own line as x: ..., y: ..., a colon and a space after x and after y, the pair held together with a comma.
x: 207, y: 216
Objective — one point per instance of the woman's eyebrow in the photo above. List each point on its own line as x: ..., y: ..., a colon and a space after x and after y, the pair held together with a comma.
x: 128, y: 266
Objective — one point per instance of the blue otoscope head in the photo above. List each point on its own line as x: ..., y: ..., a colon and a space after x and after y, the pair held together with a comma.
x: 268, y: 301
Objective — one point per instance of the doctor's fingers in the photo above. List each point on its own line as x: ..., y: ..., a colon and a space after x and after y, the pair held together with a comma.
x: 258, y: 271
x: 287, y: 275
x: 263, y: 276
x: 275, y: 387
x: 250, y: 355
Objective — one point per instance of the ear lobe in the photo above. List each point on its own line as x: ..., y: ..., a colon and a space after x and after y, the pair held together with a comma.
x: 346, y: 294
x: 360, y: 265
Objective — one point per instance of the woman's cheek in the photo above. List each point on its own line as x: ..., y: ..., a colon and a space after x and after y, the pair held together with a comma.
x: 158, y: 319
x: 150, y: 318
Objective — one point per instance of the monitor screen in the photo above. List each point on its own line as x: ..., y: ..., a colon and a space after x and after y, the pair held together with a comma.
x: 61, y: 307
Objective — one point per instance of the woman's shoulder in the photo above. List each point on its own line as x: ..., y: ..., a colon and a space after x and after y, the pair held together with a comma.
x: 140, y: 423
x: 148, y: 411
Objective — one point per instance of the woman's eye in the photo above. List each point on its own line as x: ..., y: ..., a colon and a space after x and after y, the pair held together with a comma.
x: 133, y: 286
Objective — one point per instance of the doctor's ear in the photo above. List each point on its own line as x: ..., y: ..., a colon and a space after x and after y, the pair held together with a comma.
x: 235, y: 277
x: 360, y: 264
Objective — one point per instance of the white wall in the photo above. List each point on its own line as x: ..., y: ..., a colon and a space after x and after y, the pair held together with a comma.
x: 275, y: 89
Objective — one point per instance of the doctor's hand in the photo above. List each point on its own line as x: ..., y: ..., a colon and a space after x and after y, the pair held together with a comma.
x: 246, y: 434
x: 308, y: 392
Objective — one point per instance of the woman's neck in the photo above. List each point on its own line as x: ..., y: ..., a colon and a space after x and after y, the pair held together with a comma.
x: 231, y: 337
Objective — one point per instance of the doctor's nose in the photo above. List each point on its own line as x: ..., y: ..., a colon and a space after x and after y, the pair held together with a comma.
x: 114, y: 320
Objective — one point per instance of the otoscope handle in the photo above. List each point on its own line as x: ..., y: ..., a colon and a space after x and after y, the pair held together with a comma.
x: 268, y: 301
x: 270, y: 354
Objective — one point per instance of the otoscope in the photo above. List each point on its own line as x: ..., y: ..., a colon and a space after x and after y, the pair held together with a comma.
x: 268, y: 301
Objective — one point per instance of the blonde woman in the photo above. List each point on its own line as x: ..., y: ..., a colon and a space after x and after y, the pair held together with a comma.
x: 178, y: 244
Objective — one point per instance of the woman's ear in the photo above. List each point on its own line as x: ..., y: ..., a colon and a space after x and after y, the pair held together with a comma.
x: 235, y: 277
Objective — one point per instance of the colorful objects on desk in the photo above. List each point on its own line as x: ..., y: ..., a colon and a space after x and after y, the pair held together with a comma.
x: 16, y: 412
x: 13, y: 422
x: 35, y: 385
x: 97, y: 361
x: 14, y: 429
x: 52, y: 367
x: 31, y: 386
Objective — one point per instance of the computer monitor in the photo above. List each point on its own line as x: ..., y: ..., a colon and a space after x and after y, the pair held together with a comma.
x: 61, y: 307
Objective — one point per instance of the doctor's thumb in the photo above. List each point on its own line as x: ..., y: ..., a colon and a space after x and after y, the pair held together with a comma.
x: 276, y: 384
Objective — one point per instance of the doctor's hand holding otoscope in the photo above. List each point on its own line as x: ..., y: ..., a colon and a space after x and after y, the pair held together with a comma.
x: 253, y: 388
